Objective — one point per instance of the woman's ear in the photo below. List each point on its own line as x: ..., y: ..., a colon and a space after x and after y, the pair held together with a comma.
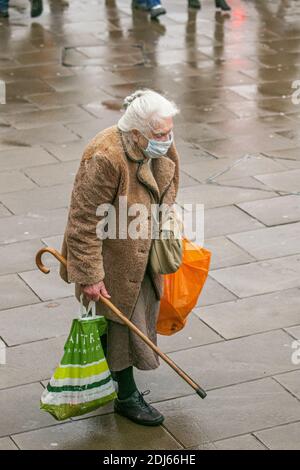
x: 135, y: 135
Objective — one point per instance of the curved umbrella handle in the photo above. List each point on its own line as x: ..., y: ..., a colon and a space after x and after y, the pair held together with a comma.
x: 52, y: 251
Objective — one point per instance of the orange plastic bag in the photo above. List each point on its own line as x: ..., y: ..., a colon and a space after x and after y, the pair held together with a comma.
x: 182, y: 288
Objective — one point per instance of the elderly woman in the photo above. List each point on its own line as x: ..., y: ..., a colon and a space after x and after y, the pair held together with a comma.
x: 136, y: 159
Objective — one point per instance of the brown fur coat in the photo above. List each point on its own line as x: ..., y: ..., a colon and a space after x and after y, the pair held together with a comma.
x: 111, y: 167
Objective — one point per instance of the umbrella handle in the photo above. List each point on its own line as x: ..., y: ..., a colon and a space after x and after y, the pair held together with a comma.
x: 52, y: 251
x: 199, y: 390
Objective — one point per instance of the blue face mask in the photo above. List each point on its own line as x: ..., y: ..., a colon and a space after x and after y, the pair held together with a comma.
x: 158, y: 148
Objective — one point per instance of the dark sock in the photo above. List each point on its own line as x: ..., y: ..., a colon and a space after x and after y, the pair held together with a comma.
x: 125, y: 379
x: 126, y: 383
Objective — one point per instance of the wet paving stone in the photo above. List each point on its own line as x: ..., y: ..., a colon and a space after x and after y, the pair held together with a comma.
x: 51, y: 319
x: 47, y: 287
x: 20, y: 417
x: 281, y: 438
x: 270, y: 242
x: 14, y: 181
x: 229, y: 411
x: 6, y: 443
x: 23, y: 158
x: 36, y: 200
x: 31, y: 362
x: 15, y: 292
x: 260, y: 277
x: 244, y: 317
x: 32, y: 225
x: 102, y: 432
x: 277, y: 211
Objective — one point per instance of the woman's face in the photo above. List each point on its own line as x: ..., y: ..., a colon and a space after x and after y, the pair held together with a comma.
x: 158, y: 130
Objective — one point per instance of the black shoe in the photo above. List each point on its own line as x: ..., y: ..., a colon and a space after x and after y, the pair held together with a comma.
x: 156, y: 11
x: 139, y: 6
x: 194, y: 4
x: 222, y: 5
x: 4, y: 14
x: 36, y: 8
x: 137, y: 410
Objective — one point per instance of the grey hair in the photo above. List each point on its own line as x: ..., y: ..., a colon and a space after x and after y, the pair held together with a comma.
x: 144, y: 107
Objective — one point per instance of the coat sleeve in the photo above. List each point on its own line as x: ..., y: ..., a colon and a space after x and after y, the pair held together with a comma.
x: 96, y: 183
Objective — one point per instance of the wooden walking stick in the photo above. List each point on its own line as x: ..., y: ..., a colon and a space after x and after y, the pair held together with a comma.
x: 199, y: 390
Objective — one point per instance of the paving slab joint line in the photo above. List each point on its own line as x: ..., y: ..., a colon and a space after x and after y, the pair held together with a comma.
x: 281, y: 425
x: 228, y: 168
x: 223, y: 184
x: 79, y: 137
x: 210, y: 327
x: 12, y: 439
x: 40, y: 382
x: 23, y: 171
x: 284, y: 387
x: 227, y: 236
x: 221, y: 387
x: 36, y: 303
x: 81, y: 106
x: 37, y: 296
x: 249, y: 215
x: 235, y: 295
x: 198, y: 182
x: 242, y: 336
x: 288, y: 332
x: 282, y: 329
x: 40, y: 340
x: 51, y: 154
x: 55, y: 423
x: 1, y: 338
x: 2, y: 204
x: 173, y: 436
x: 259, y: 441
x: 286, y: 193
x: 255, y: 260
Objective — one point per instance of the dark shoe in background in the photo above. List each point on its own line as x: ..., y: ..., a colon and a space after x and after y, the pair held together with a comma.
x: 223, y: 5
x: 138, y: 410
x: 194, y: 4
x: 36, y: 8
x: 4, y: 14
x: 156, y: 11
x: 137, y: 5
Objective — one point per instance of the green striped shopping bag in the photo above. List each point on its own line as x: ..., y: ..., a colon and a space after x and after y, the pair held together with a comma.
x: 82, y: 382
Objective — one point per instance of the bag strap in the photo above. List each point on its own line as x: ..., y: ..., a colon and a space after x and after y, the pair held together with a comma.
x: 84, y: 312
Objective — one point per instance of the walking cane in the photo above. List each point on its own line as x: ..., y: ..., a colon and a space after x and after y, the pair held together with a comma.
x: 199, y: 390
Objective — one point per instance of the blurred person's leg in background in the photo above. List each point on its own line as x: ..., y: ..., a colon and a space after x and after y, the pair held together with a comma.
x: 153, y: 6
x: 4, y: 8
x: 36, y: 8
x: 222, y: 5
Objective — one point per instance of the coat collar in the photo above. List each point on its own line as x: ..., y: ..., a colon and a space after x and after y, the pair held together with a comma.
x: 160, y: 177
